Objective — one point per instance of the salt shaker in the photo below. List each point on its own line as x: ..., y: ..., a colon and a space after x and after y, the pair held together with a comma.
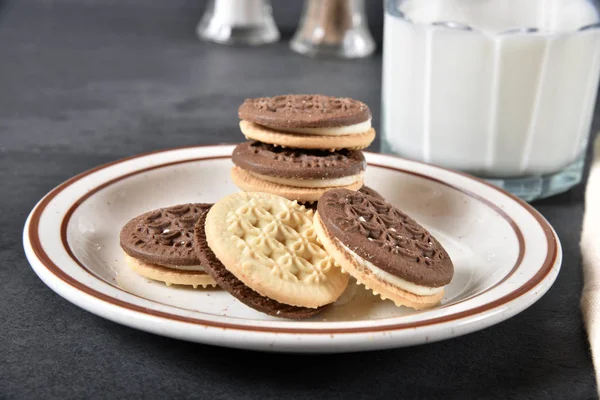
x: 333, y: 28
x: 248, y: 22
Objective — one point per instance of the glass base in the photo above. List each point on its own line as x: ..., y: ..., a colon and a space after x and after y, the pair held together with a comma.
x: 356, y: 44
x: 252, y: 35
x: 533, y: 187
x: 540, y: 187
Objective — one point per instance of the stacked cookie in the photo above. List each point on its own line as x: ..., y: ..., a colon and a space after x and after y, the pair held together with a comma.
x: 302, y: 145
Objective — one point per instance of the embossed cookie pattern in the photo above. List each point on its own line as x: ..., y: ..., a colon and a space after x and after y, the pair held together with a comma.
x: 283, y: 240
x: 164, y: 236
x: 387, y: 227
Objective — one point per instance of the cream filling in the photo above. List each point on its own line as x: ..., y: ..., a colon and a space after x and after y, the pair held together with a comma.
x: 312, y: 183
x: 198, y: 268
x: 394, y: 280
x: 332, y: 131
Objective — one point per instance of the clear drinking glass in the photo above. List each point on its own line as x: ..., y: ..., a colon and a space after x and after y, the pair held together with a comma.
x: 247, y: 22
x: 502, y: 89
x: 333, y: 28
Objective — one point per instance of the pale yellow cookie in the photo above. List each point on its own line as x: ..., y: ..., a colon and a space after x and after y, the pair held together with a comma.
x: 365, y: 277
x: 269, y: 243
x: 251, y: 183
x: 169, y: 276
x: 263, y: 134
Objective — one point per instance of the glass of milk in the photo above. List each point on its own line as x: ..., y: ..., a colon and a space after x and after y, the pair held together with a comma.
x: 502, y: 89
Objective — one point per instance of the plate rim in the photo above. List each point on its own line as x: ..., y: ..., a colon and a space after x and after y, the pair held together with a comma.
x: 32, y: 238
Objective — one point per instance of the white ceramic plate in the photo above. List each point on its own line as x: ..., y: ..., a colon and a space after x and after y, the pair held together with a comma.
x: 506, y: 256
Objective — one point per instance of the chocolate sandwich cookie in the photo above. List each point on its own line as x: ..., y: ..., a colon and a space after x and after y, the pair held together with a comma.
x: 371, y: 192
x: 158, y: 245
x: 307, y: 121
x: 302, y: 175
x: 383, y: 248
x: 268, y: 244
x: 237, y: 288
x: 365, y: 189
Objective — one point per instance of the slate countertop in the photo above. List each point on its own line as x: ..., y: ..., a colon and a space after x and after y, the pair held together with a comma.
x: 83, y: 85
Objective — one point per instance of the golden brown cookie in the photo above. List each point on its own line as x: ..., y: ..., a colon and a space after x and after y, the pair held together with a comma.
x: 237, y: 288
x: 251, y: 183
x: 170, y: 276
x: 269, y: 244
x: 263, y: 134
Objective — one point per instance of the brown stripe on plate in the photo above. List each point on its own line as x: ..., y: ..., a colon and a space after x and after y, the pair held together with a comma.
x: 33, y: 234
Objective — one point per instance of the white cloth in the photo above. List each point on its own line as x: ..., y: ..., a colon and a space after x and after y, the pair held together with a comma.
x: 590, y: 251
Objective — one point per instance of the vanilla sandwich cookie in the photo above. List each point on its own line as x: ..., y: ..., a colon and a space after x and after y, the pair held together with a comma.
x: 267, y: 244
x: 383, y: 248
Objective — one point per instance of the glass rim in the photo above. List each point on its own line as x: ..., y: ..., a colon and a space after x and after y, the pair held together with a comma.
x: 391, y: 8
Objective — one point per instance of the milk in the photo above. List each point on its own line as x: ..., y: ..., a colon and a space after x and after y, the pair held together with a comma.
x: 484, y: 95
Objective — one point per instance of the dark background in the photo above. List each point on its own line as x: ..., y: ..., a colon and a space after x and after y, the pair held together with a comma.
x: 86, y: 82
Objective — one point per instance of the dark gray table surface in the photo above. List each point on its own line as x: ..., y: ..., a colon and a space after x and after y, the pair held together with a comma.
x: 82, y: 84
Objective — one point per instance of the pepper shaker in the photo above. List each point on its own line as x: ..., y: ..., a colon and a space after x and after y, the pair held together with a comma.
x: 333, y: 28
